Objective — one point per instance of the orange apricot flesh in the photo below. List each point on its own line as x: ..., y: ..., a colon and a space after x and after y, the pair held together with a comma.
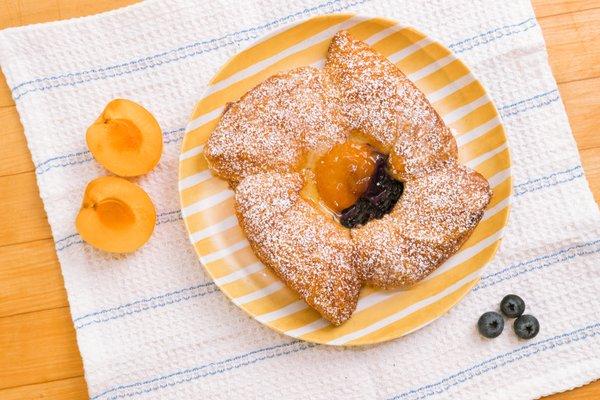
x: 116, y: 215
x: 343, y: 174
x: 126, y: 139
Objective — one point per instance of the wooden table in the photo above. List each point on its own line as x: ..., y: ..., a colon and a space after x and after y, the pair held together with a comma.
x: 38, y: 352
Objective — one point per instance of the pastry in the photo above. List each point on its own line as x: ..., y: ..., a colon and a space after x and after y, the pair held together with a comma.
x: 313, y: 254
x: 380, y: 101
x: 431, y: 220
x: 345, y: 176
x: 274, y: 124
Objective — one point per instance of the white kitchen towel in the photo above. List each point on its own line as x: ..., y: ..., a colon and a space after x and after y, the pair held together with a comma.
x: 153, y: 325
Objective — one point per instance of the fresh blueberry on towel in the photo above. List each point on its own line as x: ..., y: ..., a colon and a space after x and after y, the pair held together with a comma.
x: 526, y: 326
x: 512, y: 306
x: 490, y: 324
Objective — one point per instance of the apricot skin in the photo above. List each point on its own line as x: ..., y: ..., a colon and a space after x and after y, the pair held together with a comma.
x: 116, y: 215
x: 126, y: 139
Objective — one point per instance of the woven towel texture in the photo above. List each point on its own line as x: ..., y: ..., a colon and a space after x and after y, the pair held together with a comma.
x: 152, y: 325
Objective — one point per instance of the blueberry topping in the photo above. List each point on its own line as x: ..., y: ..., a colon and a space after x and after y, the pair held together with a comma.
x: 379, y: 198
x: 512, y: 306
x: 490, y: 324
x: 357, y: 214
x: 526, y: 326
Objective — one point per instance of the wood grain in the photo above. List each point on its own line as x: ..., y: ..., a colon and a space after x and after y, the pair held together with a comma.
x: 6, y: 99
x: 582, y: 101
x: 572, y: 43
x: 22, y: 214
x: 14, y: 144
x: 31, y: 283
x: 546, y: 8
x: 63, y: 389
x: 38, y: 352
x: 38, y: 347
x: 24, y: 12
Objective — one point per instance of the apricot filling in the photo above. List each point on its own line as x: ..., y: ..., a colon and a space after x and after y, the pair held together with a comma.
x: 343, y: 174
x: 126, y: 139
x: 116, y: 215
x: 352, y: 183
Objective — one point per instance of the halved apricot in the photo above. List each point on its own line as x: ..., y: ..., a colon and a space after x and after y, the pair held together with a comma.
x: 116, y: 215
x: 126, y: 139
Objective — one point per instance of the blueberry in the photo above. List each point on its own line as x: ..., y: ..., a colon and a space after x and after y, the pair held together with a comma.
x: 357, y: 214
x: 380, y: 197
x: 490, y: 324
x: 383, y: 191
x: 512, y: 306
x: 526, y: 326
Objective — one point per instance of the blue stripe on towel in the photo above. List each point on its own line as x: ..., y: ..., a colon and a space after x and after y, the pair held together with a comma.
x: 173, y: 136
x: 146, y: 300
x: 156, y: 302
x: 161, y: 218
x: 219, y: 367
x: 174, y: 55
x: 200, y: 290
x: 499, y: 361
x: 214, y: 368
x: 554, y: 179
x: 541, y: 262
x: 537, y: 101
x: 494, y: 34
x: 76, y: 78
x: 176, y: 135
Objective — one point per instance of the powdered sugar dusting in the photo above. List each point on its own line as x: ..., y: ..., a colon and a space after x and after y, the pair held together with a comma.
x: 432, y: 219
x: 312, y: 253
x: 262, y: 139
x: 274, y: 124
x: 382, y: 102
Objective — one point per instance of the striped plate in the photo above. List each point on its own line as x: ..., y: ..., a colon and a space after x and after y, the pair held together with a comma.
x: 207, y: 202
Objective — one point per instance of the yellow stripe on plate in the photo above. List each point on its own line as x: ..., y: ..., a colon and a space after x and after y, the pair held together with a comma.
x: 304, y: 57
x: 296, y: 320
x: 191, y: 166
x: 214, y: 215
x: 398, y: 41
x: 489, y: 167
x: 437, y: 80
x: 251, y: 283
x: 459, y: 98
x: 416, y: 319
x: 401, y: 299
x: 241, y: 259
x: 278, y: 43
x: 422, y: 58
x: 201, y: 134
x: 215, y: 243
x: 208, y: 204
x: 264, y: 308
x: 487, y: 228
x: 202, y: 191
x: 487, y: 141
x: 475, y: 118
x: 501, y: 192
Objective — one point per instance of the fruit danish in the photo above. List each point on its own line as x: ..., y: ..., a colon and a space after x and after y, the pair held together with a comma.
x: 345, y: 176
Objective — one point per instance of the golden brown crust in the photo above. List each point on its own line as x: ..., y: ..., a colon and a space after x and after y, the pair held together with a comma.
x: 432, y: 219
x: 312, y: 254
x: 271, y: 126
x: 262, y: 137
x: 382, y: 102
